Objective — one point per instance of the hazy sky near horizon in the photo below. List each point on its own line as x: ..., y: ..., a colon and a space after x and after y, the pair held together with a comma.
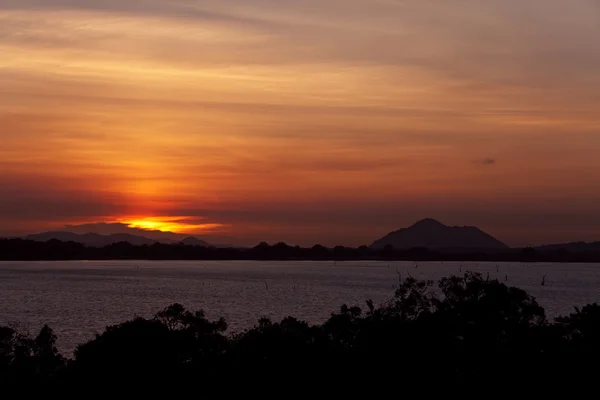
x: 330, y: 121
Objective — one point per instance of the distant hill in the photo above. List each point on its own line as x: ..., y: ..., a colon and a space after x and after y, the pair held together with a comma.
x: 574, y: 247
x: 431, y: 234
x: 108, y: 229
x: 97, y: 240
x: 192, y: 241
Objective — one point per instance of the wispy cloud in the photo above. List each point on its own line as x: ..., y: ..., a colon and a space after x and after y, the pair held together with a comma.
x: 487, y: 161
x: 109, y: 108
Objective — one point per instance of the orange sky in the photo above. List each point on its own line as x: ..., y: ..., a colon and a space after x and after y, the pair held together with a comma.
x: 331, y: 121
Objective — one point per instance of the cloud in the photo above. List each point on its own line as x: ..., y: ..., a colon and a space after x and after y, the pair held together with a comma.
x: 487, y: 161
x: 110, y: 228
x: 238, y: 106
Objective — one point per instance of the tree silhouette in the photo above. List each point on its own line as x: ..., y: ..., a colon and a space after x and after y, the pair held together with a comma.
x: 465, y: 334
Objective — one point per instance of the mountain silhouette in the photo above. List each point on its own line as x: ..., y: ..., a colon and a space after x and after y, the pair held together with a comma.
x: 104, y: 228
x: 192, y: 241
x: 98, y: 240
x: 432, y: 234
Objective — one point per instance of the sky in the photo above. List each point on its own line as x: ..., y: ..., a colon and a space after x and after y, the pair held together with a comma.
x: 314, y: 121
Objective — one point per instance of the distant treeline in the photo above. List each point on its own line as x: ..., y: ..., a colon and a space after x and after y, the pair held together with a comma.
x: 464, y: 335
x: 27, y: 250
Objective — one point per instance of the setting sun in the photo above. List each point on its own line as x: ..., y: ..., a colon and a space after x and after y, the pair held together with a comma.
x: 308, y: 122
x: 170, y: 224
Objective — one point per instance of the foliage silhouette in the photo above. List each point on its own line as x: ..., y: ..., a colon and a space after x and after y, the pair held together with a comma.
x: 26, y: 250
x: 466, y: 333
x: 29, y: 363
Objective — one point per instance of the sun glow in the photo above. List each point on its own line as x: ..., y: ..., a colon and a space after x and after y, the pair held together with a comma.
x: 171, y: 224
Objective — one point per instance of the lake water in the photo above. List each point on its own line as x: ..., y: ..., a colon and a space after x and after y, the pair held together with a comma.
x: 78, y: 299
